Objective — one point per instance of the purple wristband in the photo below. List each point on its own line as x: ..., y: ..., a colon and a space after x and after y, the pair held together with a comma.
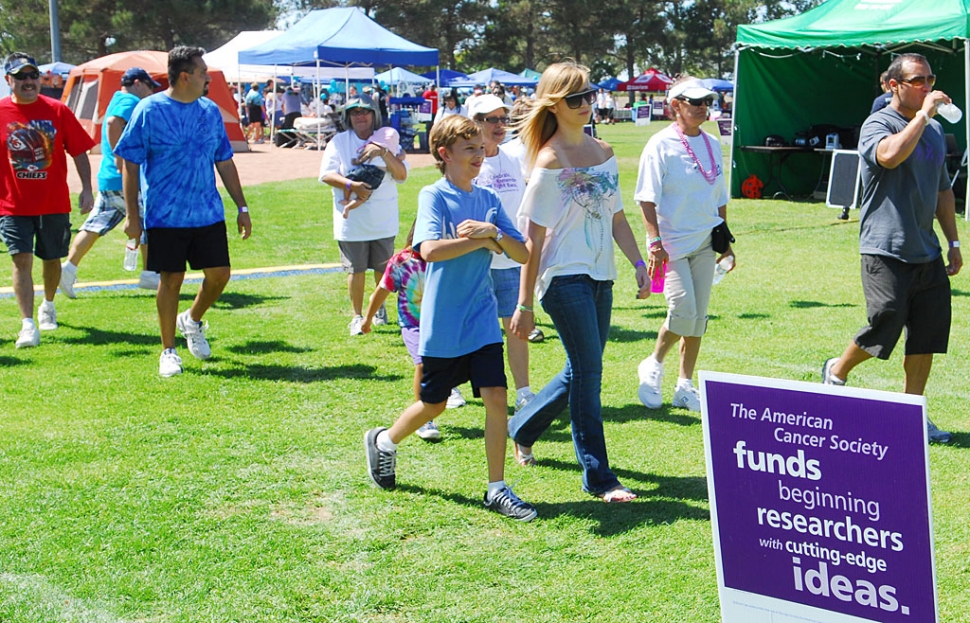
x: 639, y: 264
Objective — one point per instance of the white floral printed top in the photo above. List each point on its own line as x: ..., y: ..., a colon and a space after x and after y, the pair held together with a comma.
x: 576, y: 206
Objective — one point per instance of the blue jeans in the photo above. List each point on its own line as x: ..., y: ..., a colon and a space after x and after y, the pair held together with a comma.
x: 580, y: 308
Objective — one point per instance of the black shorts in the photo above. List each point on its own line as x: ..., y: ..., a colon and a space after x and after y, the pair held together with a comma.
x: 484, y: 368
x: 169, y: 248
x: 255, y: 114
x: 48, y: 237
x: 911, y: 296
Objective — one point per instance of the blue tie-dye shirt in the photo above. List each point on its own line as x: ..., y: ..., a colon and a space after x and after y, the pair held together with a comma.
x: 177, y: 146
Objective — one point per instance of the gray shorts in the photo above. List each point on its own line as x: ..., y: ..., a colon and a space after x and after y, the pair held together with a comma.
x: 911, y: 296
x: 51, y: 231
x: 358, y: 256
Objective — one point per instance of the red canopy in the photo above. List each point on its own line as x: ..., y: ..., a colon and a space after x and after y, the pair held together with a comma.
x: 650, y: 80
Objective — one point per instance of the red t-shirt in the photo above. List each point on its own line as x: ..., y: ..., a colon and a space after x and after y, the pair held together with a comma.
x: 432, y: 96
x: 33, y: 164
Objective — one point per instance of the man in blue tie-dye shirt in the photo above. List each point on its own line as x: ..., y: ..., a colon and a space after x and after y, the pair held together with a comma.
x: 170, y: 146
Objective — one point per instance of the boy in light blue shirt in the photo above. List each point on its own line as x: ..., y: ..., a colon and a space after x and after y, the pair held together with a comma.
x: 459, y: 226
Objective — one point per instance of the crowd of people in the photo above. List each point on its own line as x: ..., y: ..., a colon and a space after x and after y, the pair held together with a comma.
x: 509, y: 222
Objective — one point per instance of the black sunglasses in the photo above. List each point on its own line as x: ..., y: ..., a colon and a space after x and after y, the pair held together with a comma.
x: 493, y: 120
x: 577, y: 99
x: 26, y: 75
x: 697, y: 101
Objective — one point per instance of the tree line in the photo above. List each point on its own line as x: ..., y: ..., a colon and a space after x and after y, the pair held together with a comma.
x: 609, y: 36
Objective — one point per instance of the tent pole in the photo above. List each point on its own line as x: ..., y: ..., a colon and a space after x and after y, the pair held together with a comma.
x: 966, y: 122
x: 734, y: 119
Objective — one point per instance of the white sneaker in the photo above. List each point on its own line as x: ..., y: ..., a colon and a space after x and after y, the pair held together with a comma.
x: 169, y: 364
x: 47, y: 316
x: 523, y: 400
x: 194, y: 334
x: 651, y: 374
x: 355, y: 325
x: 429, y: 432
x: 381, y: 316
x: 455, y: 400
x: 148, y: 280
x: 687, y: 397
x: 68, y: 278
x: 29, y: 337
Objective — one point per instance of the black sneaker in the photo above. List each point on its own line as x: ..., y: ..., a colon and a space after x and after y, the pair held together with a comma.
x: 380, y: 464
x: 536, y: 335
x: 507, y: 503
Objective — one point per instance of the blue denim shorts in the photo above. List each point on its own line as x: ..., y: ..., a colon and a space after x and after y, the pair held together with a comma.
x: 505, y: 284
x: 484, y: 367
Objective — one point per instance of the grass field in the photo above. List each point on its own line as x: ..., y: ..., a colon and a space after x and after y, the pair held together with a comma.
x: 237, y: 492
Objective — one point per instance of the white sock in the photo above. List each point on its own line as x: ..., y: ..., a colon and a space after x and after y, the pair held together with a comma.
x: 47, y: 304
x: 27, y: 323
x: 69, y: 265
x: 684, y: 383
x: 522, y: 391
x: 384, y: 442
x: 495, y: 487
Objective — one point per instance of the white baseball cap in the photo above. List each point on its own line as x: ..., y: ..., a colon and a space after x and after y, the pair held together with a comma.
x: 693, y: 89
x: 485, y: 104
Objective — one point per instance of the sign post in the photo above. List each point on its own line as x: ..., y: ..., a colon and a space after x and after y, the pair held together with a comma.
x: 820, y: 502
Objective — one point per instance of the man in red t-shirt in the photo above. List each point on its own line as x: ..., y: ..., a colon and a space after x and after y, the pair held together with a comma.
x: 432, y: 96
x: 35, y: 204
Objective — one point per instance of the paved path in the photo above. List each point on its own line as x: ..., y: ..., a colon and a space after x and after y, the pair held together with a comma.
x: 265, y: 163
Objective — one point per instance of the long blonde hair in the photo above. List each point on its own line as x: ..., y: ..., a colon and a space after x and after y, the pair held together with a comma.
x: 539, y: 124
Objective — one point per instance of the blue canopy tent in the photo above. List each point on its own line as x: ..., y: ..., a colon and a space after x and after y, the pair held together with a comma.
x: 609, y: 84
x: 444, y: 75
x: 342, y: 36
x: 717, y: 85
x: 487, y: 76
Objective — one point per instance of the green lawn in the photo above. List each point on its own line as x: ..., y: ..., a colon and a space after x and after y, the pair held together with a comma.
x: 238, y: 492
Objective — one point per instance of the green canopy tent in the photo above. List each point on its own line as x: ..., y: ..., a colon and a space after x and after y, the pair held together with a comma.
x: 822, y: 68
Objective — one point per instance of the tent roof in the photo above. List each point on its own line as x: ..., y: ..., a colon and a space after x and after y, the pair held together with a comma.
x: 397, y: 75
x: 338, y: 36
x: 446, y: 75
x: 486, y: 76
x: 56, y: 68
x: 226, y: 58
x: 650, y: 80
x: 855, y: 23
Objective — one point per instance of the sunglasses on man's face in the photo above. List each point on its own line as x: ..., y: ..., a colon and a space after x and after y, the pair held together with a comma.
x: 495, y: 120
x: 919, y: 81
x: 27, y: 75
x: 698, y: 101
x: 578, y: 99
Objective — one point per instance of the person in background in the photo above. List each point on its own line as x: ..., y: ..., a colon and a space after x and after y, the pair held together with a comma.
x: 35, y: 204
x: 450, y: 107
x: 682, y: 196
x: 882, y: 100
x: 905, y: 186
x: 109, y: 206
x: 431, y: 94
x: 179, y: 137
x: 366, y: 236
x: 502, y: 174
x: 575, y: 215
x: 459, y: 227
x: 254, y: 111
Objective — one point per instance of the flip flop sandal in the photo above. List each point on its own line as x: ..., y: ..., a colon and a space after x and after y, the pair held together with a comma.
x: 618, y: 495
x: 523, y: 459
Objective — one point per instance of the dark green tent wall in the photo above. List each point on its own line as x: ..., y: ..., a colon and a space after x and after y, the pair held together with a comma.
x: 823, y: 66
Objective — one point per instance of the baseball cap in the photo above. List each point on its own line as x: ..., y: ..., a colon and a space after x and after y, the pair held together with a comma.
x: 17, y: 61
x: 137, y: 74
x: 485, y: 104
x: 693, y: 89
x: 388, y: 138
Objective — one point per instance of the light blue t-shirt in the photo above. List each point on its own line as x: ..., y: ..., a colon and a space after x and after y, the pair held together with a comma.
x: 177, y: 146
x: 121, y: 105
x: 459, y: 309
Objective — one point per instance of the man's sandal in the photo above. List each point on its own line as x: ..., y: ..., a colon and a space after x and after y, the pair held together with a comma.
x: 617, y: 496
x: 525, y: 459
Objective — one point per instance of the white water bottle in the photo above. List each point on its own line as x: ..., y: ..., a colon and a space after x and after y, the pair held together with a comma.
x: 131, y: 255
x: 950, y: 112
x: 722, y: 268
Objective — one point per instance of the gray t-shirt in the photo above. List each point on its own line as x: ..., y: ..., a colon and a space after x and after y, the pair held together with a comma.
x: 898, y: 205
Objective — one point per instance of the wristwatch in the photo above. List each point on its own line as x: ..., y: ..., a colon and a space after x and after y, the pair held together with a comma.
x: 954, y: 244
x: 499, y: 235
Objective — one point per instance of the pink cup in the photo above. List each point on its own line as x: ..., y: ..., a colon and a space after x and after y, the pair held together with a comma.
x: 657, y: 283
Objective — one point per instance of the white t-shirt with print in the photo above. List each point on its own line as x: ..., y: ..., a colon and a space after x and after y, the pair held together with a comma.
x: 502, y: 174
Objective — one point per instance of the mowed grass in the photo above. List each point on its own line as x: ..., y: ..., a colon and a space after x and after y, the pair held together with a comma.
x: 238, y: 492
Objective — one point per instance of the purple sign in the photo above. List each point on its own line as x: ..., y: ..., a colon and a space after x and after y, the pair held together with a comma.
x: 819, y: 498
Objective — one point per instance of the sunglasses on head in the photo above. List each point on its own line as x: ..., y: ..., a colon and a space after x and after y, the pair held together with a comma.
x: 919, y: 81
x: 493, y: 120
x: 26, y: 75
x: 697, y: 101
x: 578, y: 99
